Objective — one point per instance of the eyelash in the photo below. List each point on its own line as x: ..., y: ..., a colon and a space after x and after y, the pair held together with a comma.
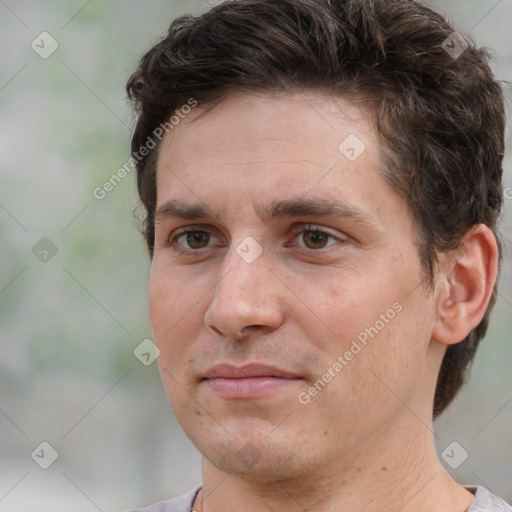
x: 296, y: 230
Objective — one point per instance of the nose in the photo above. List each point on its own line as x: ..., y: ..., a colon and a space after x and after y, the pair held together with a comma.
x: 247, y: 298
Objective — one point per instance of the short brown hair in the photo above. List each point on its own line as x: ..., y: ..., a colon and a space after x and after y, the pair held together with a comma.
x: 440, y: 116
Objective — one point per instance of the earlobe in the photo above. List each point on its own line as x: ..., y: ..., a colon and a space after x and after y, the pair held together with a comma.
x: 464, y: 285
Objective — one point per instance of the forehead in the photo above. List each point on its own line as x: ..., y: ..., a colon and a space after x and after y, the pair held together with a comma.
x: 274, y: 146
x: 273, y: 118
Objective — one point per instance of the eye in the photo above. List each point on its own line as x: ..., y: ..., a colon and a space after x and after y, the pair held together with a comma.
x: 315, y: 238
x: 193, y: 239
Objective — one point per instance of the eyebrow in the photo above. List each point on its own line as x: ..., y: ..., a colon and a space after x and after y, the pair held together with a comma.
x: 295, y: 207
x: 301, y: 207
x: 180, y: 210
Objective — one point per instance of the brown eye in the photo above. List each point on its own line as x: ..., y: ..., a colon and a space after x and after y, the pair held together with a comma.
x: 194, y: 241
x: 315, y: 239
x: 197, y: 239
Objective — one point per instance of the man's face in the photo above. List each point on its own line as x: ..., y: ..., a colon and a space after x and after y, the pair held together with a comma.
x: 279, y: 243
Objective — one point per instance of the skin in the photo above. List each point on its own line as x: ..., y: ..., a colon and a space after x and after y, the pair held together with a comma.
x: 365, y: 441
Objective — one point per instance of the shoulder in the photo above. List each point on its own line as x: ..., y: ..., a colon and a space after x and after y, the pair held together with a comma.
x: 485, y: 501
x: 181, y: 503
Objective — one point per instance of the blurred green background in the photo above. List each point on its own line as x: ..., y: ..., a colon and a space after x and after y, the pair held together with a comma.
x: 70, y: 321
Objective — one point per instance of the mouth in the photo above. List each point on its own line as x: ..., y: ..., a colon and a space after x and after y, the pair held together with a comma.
x: 249, y: 381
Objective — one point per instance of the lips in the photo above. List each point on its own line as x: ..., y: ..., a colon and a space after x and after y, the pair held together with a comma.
x: 249, y: 381
x: 228, y: 371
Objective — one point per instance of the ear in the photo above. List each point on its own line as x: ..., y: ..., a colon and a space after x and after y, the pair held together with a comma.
x: 464, y: 284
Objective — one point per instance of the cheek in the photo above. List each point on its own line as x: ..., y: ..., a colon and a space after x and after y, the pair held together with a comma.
x: 372, y: 320
x: 396, y: 355
x: 172, y: 298
x: 165, y: 312
x: 338, y: 309
x: 160, y: 304
x: 176, y: 309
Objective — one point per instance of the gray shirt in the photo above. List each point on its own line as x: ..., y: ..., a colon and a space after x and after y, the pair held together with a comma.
x: 484, y: 502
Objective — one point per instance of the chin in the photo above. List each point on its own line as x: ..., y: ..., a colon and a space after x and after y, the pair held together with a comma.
x: 251, y: 454
x: 250, y: 462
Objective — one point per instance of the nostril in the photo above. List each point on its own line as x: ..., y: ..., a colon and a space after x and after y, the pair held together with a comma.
x: 248, y: 331
x: 216, y: 330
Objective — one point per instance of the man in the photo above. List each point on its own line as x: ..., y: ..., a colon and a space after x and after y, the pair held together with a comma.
x: 322, y: 182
